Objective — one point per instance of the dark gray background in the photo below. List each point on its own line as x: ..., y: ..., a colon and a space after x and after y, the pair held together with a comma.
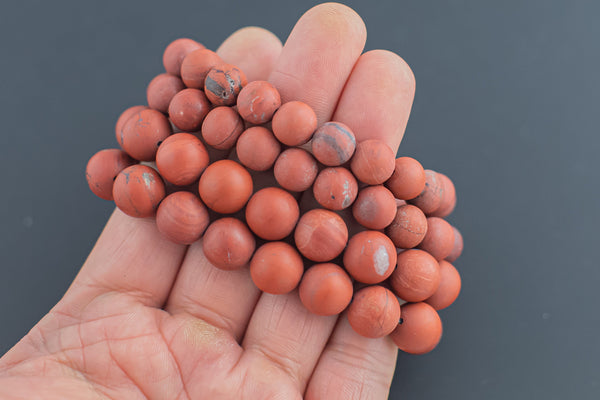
x: 507, y: 104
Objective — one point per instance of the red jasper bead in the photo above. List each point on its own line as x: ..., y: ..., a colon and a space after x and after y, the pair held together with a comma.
x: 102, y: 170
x: 138, y: 190
x: 182, y: 218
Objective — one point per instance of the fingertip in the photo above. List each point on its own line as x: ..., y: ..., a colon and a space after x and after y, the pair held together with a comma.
x: 397, y: 65
x: 339, y: 18
x: 249, y: 34
x: 378, y: 97
x: 253, y: 49
x: 318, y: 56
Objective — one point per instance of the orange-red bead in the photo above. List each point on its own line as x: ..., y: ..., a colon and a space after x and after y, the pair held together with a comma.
x: 222, y: 127
x: 182, y: 218
x: 258, y: 101
x: 295, y: 169
x: 439, y: 239
x: 448, y: 202
x: 375, y: 207
x: 321, y: 235
x: 138, y: 190
x: 370, y: 257
x: 276, y: 268
x: 161, y: 90
x: 335, y: 188
x: 420, y: 329
x: 408, y: 179
x: 449, y: 288
x: 181, y: 159
x: 333, y: 144
x: 408, y: 228
x: 272, y: 213
x: 223, y: 84
x: 122, y: 120
x: 457, y: 247
x: 374, y: 312
x: 257, y: 148
x: 294, y: 123
x: 176, y: 52
x: 143, y: 133
x: 102, y: 170
x: 196, y: 65
x: 188, y: 109
x: 417, y: 275
x: 325, y: 289
x: 430, y: 198
x: 228, y: 244
x: 225, y: 186
x: 373, y: 162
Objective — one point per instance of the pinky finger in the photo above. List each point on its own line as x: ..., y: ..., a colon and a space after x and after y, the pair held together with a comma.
x: 353, y: 367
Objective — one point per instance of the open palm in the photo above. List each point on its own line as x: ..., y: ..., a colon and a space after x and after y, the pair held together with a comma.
x: 149, y: 319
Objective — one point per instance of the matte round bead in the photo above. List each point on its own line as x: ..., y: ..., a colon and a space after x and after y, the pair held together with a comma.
x: 257, y: 148
x: 181, y: 159
x: 122, y: 120
x: 333, y: 144
x: 430, y: 198
x: 448, y: 202
x: 222, y: 127
x: 276, y: 268
x: 161, y: 90
x: 176, y: 52
x: 102, y: 170
x: 408, y: 179
x: 182, y: 218
x: 321, y: 235
x: 457, y: 247
x: 196, y: 65
x: 439, y: 239
x: 375, y: 207
x: 143, y: 133
x: 335, y: 188
x: 223, y: 84
x: 370, y: 257
x: 417, y: 275
x: 408, y: 228
x: 294, y: 123
x: 138, y: 190
x: 272, y: 213
x: 228, y: 244
x: 325, y: 289
x: 258, y: 101
x: 373, y: 162
x: 449, y: 288
x: 420, y: 329
x: 295, y: 169
x: 374, y: 312
x: 188, y: 109
x: 225, y: 186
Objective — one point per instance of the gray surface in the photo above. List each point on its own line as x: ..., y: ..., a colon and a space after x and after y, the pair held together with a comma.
x: 507, y: 102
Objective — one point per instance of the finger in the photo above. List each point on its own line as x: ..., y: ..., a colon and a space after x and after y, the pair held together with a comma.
x: 318, y: 56
x: 225, y: 299
x: 130, y: 257
x: 353, y: 367
x: 252, y: 49
x: 285, y: 333
x: 377, y: 99
x: 314, y: 65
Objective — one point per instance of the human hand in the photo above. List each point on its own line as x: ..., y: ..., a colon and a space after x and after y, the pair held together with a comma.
x: 146, y: 318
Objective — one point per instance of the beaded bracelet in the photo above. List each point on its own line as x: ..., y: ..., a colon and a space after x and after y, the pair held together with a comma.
x: 346, y: 223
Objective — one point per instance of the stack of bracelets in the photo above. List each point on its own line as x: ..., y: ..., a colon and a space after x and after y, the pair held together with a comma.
x: 217, y: 158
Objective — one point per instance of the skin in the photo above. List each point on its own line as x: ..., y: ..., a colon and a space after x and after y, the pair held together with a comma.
x: 146, y: 318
